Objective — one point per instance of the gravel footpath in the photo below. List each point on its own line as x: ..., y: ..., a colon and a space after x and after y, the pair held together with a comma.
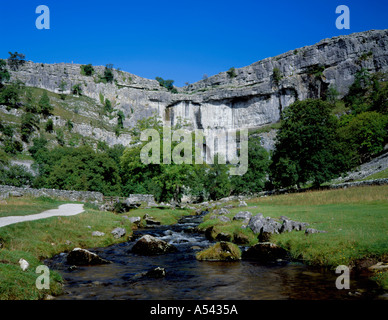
x: 70, y: 209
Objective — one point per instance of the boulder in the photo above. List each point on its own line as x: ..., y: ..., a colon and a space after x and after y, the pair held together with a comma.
x: 135, y: 220
x: 80, y: 257
x: 157, y: 272
x: 245, y: 216
x: 23, y: 264
x: 221, y: 211
x: 150, y: 220
x: 98, y: 234
x: 256, y: 223
x: 242, y: 204
x: 265, y: 252
x: 149, y: 245
x: 118, y: 233
x: 311, y: 231
x: 223, y: 218
x: 221, y: 251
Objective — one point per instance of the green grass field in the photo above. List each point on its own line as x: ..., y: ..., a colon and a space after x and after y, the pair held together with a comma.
x: 356, y: 221
x: 26, y: 206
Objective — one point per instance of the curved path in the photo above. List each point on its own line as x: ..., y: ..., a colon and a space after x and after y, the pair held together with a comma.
x: 70, y: 209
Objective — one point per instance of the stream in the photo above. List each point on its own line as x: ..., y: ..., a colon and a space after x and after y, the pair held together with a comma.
x: 189, y: 279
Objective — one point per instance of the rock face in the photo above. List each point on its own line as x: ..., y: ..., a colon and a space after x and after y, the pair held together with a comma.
x: 149, y: 245
x: 251, y: 99
x: 80, y: 257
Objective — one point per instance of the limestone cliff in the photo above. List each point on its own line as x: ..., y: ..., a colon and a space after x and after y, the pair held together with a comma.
x: 252, y: 97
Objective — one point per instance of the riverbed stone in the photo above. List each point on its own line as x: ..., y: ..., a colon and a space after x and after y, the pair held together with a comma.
x: 265, y: 252
x: 149, y: 245
x: 157, y: 272
x: 79, y: 257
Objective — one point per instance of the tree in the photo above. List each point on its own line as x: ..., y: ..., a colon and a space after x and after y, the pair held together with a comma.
x: 46, y: 108
x: 253, y: 180
x: 232, y: 72
x: 29, y: 122
x: 366, y: 134
x: 10, y: 94
x: 108, y: 106
x: 218, y: 182
x: 78, y: 169
x: 4, y: 74
x: 30, y: 104
x: 108, y: 73
x: 120, y: 119
x: 168, y: 84
x: 16, y: 60
x: 308, y: 147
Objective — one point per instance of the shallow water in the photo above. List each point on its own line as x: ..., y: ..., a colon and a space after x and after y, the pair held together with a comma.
x: 187, y: 278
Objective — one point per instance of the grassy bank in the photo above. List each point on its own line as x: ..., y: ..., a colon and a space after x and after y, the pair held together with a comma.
x: 37, y: 240
x: 356, y: 221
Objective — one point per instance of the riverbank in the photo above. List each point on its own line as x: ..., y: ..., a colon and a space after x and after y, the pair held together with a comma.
x: 355, y: 221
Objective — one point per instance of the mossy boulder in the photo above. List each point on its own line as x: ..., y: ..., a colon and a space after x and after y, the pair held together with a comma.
x: 221, y: 251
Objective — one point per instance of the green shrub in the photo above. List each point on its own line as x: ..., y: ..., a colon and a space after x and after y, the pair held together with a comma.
x: 87, y: 70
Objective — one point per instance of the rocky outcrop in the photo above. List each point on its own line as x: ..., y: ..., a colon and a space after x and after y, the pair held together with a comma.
x: 250, y: 99
x: 149, y: 245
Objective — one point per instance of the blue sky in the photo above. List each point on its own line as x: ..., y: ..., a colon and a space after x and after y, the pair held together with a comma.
x: 179, y: 40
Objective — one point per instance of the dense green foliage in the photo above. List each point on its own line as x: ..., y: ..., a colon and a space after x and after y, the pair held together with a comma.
x: 307, y: 147
x: 168, y: 84
x: 87, y: 70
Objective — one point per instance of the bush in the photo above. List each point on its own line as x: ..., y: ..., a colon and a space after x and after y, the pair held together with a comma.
x: 16, y: 176
x: 46, y: 108
x: 276, y: 75
x: 231, y: 72
x: 87, y: 70
x: 77, y: 89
